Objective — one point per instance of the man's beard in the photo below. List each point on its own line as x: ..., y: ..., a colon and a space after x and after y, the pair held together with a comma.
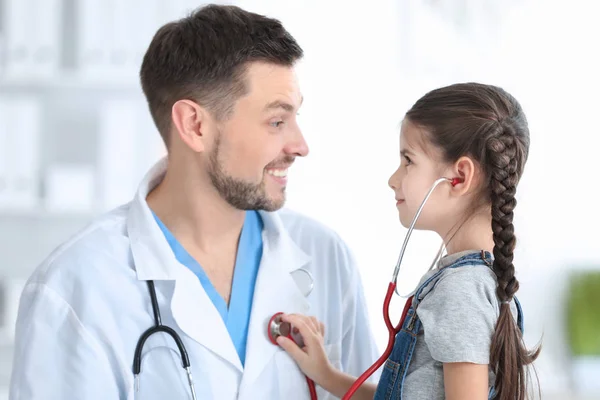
x: 237, y: 192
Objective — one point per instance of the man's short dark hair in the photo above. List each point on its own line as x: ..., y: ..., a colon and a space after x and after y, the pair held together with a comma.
x: 203, y: 57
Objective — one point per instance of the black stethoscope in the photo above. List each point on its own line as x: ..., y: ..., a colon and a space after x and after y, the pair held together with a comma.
x: 308, y: 282
x: 159, y: 327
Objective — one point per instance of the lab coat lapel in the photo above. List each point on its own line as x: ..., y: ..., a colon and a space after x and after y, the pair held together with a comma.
x: 196, y: 315
x: 192, y: 309
x: 275, y: 291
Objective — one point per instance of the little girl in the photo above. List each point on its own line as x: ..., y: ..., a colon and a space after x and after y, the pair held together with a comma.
x: 462, y: 337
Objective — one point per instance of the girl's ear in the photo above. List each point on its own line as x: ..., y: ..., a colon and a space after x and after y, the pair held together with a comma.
x: 464, y: 169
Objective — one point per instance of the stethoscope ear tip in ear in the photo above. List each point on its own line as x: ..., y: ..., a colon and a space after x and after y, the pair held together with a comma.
x: 455, y: 181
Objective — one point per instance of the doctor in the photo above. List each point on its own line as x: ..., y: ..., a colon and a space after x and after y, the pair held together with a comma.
x: 206, y: 227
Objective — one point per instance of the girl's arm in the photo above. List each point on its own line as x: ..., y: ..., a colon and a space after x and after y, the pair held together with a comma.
x: 466, y: 381
x: 313, y: 361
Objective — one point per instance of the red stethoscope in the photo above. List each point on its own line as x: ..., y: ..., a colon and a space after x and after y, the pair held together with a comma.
x: 278, y: 328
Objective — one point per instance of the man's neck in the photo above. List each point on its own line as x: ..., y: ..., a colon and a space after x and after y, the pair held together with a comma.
x: 195, y: 213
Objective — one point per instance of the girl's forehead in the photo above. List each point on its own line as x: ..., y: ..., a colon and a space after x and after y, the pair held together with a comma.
x: 411, y: 135
x: 417, y: 139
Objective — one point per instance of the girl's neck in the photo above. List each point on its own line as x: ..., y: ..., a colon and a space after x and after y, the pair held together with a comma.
x: 475, y: 233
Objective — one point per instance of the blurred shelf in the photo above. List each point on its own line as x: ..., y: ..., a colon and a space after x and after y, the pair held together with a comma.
x: 28, y: 237
x: 72, y: 81
x: 41, y: 214
x: 6, y: 359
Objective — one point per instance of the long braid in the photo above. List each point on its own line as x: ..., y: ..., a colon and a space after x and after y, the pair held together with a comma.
x: 502, y: 154
x: 508, y: 354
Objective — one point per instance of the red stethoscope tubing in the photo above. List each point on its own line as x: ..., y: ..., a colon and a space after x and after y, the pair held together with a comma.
x: 311, y: 388
x: 392, y: 330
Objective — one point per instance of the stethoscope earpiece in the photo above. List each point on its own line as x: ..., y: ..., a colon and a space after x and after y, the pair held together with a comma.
x: 455, y: 181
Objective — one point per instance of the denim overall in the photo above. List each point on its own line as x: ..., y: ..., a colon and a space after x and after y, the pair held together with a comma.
x: 396, y: 367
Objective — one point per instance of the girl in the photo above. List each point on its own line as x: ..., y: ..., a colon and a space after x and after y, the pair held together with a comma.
x: 462, y: 337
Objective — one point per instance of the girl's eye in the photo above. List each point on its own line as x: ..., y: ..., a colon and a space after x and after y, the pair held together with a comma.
x: 408, y: 160
x: 276, y: 124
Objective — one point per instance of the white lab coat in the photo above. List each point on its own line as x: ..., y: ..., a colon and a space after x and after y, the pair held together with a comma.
x: 84, y: 309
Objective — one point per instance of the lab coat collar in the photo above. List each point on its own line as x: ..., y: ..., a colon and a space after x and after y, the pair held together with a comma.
x: 275, y: 288
x: 154, y: 258
x: 152, y: 255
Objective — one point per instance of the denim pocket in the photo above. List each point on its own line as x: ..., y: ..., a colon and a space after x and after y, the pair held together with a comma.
x: 387, y: 382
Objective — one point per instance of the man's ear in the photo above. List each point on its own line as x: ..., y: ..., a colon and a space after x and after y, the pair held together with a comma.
x: 190, y: 122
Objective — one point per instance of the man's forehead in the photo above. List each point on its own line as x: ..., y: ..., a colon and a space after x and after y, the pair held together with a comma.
x: 283, y: 104
x: 270, y: 80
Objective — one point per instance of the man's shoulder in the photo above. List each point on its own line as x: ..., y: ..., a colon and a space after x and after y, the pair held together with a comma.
x: 296, y: 221
x: 318, y: 240
x: 104, y: 240
x: 301, y: 225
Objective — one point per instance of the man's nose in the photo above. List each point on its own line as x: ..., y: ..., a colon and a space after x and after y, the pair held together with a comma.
x: 297, y: 145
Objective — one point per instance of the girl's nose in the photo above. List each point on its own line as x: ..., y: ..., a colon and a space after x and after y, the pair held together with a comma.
x: 394, y: 181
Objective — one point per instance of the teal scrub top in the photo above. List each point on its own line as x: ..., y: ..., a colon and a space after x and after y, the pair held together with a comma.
x: 249, y: 254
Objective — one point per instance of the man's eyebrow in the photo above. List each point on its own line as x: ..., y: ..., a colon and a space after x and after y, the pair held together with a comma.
x: 281, y: 104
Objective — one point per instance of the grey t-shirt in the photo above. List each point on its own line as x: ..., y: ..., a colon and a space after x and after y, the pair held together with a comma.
x: 458, y: 318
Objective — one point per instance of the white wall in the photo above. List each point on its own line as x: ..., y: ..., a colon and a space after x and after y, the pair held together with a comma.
x: 357, y: 91
x: 365, y: 64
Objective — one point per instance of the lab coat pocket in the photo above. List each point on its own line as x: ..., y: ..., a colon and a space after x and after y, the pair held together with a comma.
x: 334, y: 354
x: 290, y: 379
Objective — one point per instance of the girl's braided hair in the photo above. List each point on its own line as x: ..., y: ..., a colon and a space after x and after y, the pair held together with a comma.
x: 487, y: 124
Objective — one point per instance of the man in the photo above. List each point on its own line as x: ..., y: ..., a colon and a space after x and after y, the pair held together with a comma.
x: 206, y: 229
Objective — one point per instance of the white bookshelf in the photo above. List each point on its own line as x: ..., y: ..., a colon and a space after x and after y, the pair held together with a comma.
x: 71, y: 100
x: 72, y: 82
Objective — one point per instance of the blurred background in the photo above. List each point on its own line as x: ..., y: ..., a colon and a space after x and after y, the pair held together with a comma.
x: 76, y: 137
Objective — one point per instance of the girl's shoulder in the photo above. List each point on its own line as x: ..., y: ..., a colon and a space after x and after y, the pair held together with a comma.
x: 464, y: 270
x: 465, y: 284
